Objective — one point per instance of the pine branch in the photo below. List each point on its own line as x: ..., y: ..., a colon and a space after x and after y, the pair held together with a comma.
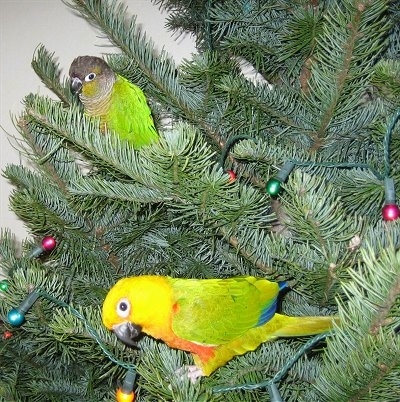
x: 363, y: 357
x: 47, y: 68
x: 40, y: 202
x: 165, y: 169
x: 345, y: 52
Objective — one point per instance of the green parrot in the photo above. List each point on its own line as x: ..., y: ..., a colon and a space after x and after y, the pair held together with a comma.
x: 121, y: 106
x: 214, y: 319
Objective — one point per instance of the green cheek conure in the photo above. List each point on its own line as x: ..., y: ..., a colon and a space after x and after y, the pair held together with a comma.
x: 121, y: 106
x: 214, y: 319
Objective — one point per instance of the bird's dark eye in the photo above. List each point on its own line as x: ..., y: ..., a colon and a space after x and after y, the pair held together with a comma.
x: 90, y: 77
x: 123, y: 308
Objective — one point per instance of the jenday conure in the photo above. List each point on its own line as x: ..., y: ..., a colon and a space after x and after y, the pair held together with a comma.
x: 121, y: 105
x: 214, y: 319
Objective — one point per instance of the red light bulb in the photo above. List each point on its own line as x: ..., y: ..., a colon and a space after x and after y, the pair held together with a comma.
x: 390, y: 212
x: 232, y: 176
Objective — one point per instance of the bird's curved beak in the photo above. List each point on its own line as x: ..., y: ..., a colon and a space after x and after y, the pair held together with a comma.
x: 76, y: 85
x: 127, y: 332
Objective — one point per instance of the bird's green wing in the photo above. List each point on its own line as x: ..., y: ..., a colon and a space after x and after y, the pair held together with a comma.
x: 216, y: 311
x: 129, y: 115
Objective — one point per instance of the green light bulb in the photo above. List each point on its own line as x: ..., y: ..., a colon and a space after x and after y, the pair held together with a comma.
x: 273, y: 187
x: 4, y: 285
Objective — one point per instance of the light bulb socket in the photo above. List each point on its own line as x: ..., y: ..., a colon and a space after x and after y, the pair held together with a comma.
x: 274, y: 394
x: 284, y: 171
x: 390, y: 193
x: 28, y: 302
x: 36, y: 252
x: 129, y: 382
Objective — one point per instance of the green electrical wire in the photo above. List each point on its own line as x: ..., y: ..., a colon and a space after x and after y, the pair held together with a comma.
x: 229, y: 144
x: 386, y: 154
x: 338, y: 165
x: 89, y: 328
x: 279, y: 375
x: 386, y: 143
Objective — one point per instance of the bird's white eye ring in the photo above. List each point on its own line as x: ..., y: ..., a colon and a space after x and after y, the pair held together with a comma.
x: 123, y: 308
x: 90, y: 77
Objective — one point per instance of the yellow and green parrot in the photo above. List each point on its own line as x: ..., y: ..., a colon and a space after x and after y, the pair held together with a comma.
x: 214, y: 319
x: 121, y: 106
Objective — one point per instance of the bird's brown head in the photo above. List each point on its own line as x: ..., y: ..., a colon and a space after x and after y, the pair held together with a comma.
x: 91, y: 77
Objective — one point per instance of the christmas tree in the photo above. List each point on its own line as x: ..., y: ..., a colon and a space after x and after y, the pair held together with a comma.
x: 286, y: 173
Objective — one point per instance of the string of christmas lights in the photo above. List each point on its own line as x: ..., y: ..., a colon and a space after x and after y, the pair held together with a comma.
x: 17, y: 316
x: 390, y: 210
x: 271, y: 384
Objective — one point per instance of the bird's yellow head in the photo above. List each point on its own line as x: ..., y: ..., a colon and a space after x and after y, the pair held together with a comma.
x: 138, y: 303
x: 91, y: 77
x: 117, y: 311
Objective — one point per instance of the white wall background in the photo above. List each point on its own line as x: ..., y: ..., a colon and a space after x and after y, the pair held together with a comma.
x: 24, y: 24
